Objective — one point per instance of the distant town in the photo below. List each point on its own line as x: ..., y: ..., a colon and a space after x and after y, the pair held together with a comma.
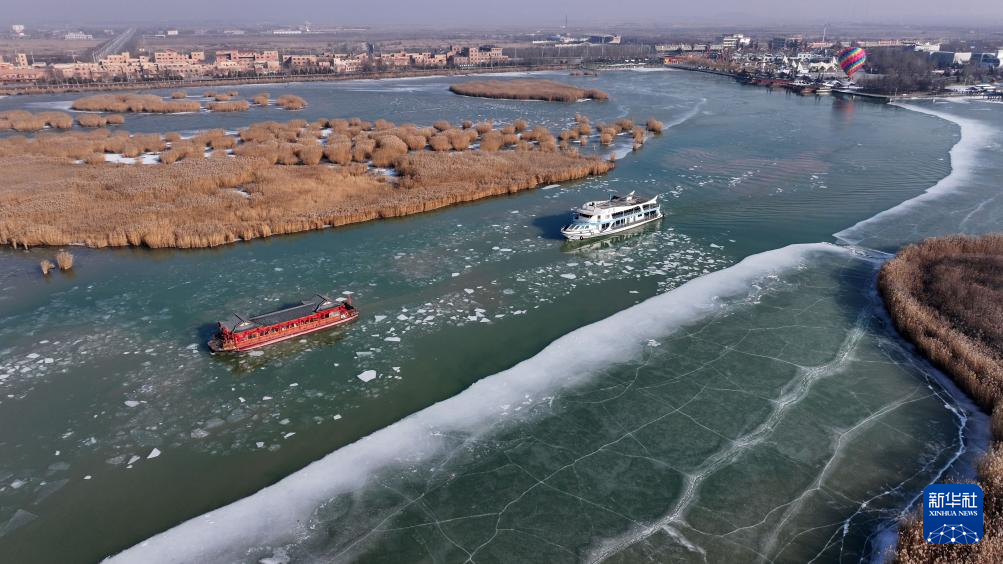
x: 35, y: 59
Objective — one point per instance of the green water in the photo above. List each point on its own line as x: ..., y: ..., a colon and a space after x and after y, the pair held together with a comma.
x: 784, y: 421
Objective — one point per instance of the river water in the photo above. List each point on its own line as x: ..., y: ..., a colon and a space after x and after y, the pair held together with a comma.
x: 722, y: 386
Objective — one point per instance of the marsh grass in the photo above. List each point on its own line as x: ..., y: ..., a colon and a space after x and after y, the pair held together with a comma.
x: 290, y: 102
x: 270, y: 178
x: 134, y: 103
x: 229, y: 106
x: 25, y: 121
x: 527, y: 89
x: 945, y: 295
x: 64, y: 259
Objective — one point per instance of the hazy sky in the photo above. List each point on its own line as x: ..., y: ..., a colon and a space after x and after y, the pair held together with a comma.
x: 488, y: 13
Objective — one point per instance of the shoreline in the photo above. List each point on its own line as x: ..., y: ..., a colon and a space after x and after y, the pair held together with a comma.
x: 270, y: 79
x: 883, y: 98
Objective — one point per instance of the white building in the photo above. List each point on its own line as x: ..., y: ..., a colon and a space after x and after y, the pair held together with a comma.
x: 928, y: 47
x: 77, y: 35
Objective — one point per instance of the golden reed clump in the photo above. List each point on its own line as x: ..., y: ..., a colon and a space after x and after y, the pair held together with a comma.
x: 945, y: 295
x: 134, y: 103
x: 527, y: 89
x: 25, y: 121
x: 277, y: 180
x: 65, y: 260
x: 229, y: 106
x: 290, y: 102
x: 46, y: 266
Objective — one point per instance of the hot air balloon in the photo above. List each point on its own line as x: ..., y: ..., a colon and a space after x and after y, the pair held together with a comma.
x: 851, y: 60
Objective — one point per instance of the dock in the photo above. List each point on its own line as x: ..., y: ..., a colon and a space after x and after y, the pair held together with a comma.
x: 879, y: 98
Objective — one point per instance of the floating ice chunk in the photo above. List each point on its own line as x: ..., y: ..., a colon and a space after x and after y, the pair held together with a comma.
x: 256, y: 353
x: 48, y: 360
x: 289, y: 434
x: 367, y: 375
x: 278, y: 269
x: 266, y: 398
x: 455, y: 274
x: 199, y: 434
x: 132, y: 459
x: 16, y: 484
x: 396, y: 369
x: 393, y: 339
x: 284, y: 422
x: 131, y: 403
x: 569, y: 276
x: 472, y: 317
x: 87, y: 477
x: 153, y: 453
x: 402, y: 317
x: 653, y: 343
x: 260, y: 444
x: 33, y: 356
x: 468, y: 290
x: 348, y: 293
x: 337, y: 416
x: 716, y: 246
x: 379, y: 318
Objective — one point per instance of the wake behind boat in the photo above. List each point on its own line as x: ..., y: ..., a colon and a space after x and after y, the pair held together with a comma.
x: 606, y: 217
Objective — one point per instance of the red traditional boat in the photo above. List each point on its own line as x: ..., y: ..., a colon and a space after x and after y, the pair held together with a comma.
x: 241, y: 333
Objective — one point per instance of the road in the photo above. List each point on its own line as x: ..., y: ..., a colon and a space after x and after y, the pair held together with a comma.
x: 115, y: 44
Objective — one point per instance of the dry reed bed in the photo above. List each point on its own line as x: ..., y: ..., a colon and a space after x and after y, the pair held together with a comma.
x: 290, y: 102
x: 134, y: 103
x: 527, y: 89
x: 229, y: 106
x: 194, y: 202
x: 945, y: 295
x: 22, y: 120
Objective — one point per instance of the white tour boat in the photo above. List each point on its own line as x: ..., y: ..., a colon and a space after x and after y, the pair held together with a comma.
x: 615, y: 215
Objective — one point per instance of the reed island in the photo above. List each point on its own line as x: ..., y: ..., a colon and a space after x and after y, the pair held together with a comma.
x: 945, y: 295
x: 106, y: 187
x: 527, y: 89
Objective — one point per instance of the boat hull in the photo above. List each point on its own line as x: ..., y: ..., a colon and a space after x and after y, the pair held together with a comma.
x: 579, y: 236
x: 217, y: 345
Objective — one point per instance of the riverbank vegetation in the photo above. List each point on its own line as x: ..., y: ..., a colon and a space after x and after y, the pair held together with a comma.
x: 101, y: 188
x: 945, y: 295
x: 527, y: 89
x: 22, y: 120
x: 290, y: 102
x: 134, y: 103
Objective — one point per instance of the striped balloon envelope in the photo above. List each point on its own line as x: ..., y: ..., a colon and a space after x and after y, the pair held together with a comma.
x: 851, y: 60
